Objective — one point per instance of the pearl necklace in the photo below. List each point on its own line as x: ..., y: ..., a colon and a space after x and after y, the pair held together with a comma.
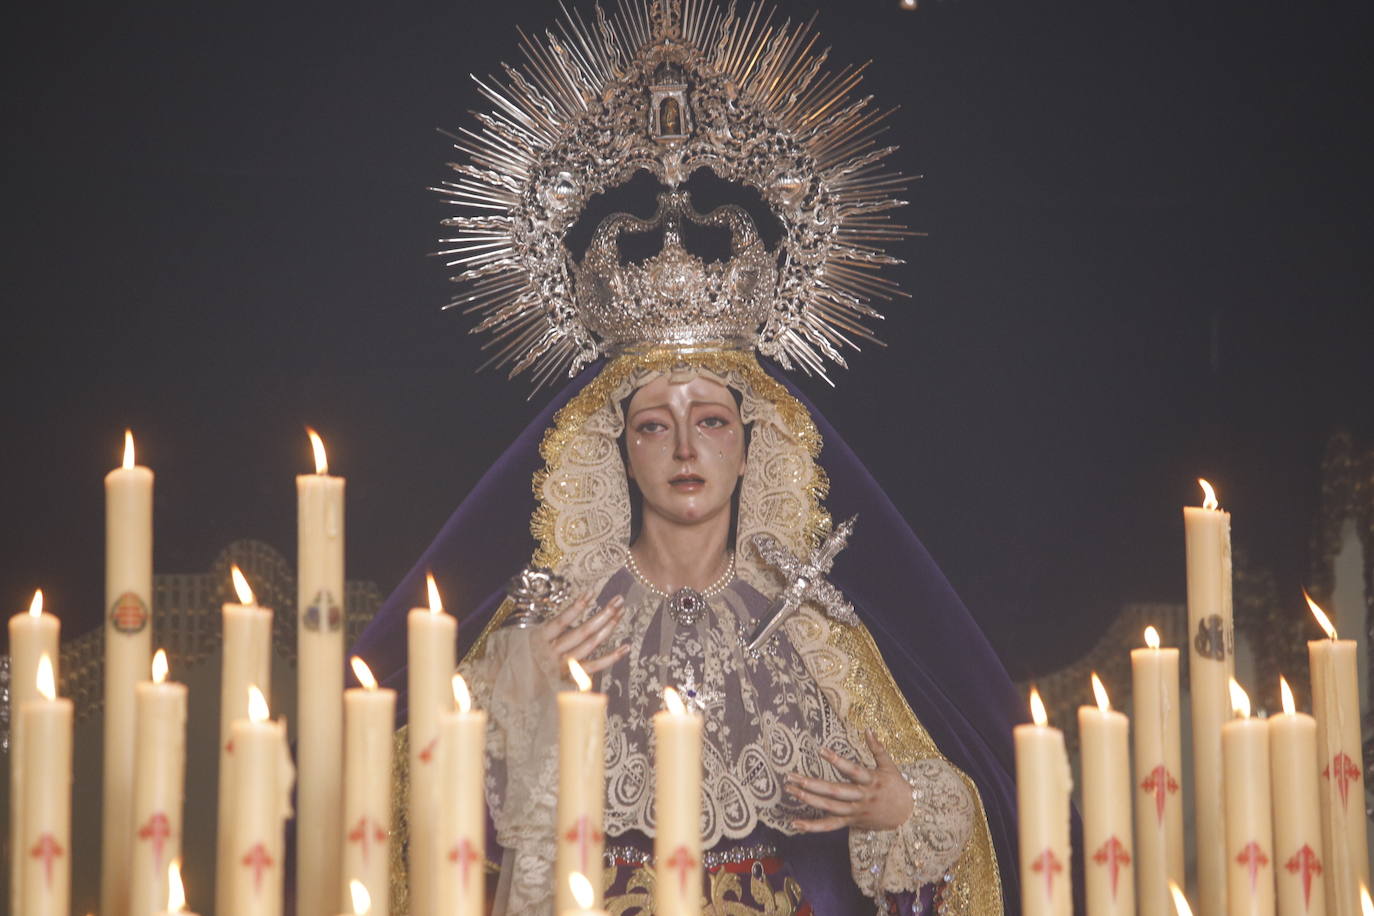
x: 686, y: 604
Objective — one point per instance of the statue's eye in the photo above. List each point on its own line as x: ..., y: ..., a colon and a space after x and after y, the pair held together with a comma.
x: 714, y: 422
x: 650, y: 426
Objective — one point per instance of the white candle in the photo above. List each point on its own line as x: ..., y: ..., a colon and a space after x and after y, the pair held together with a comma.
x: 319, y: 686
x: 159, y: 774
x: 1158, y: 754
x: 1211, y: 663
x: 1336, y: 706
x: 1297, y: 811
x: 582, y: 894
x: 1249, y: 825
x: 262, y: 774
x: 128, y: 653
x: 431, y: 644
x: 581, y: 788
x: 46, y: 831
x: 460, y: 885
x: 369, y: 717
x: 176, y: 892
x: 247, y: 659
x: 32, y: 635
x: 1043, y: 784
x: 1104, y: 741
x: 677, y: 806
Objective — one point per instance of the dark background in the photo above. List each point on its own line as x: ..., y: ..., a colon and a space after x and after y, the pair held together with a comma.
x: 1148, y: 261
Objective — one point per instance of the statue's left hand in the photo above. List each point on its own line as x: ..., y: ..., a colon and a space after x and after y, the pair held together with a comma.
x: 875, y: 798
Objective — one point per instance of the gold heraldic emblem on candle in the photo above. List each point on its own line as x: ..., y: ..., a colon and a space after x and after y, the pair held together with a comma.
x: 129, y: 613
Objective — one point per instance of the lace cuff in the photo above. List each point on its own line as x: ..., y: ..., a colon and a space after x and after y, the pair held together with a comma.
x: 923, y: 849
x: 522, y: 765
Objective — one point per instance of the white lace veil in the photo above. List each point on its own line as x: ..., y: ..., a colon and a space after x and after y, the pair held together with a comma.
x: 582, y: 524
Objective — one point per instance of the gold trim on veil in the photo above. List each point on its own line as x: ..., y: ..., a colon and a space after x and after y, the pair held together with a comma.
x: 581, y: 538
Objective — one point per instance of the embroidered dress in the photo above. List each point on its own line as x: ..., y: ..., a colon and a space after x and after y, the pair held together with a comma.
x: 764, y: 717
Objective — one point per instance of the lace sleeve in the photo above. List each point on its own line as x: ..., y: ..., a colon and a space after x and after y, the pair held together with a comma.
x: 927, y: 845
x: 522, y: 778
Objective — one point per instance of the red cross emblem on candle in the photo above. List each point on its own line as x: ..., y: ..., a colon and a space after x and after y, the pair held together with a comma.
x: 47, y: 848
x: 1305, y: 862
x: 1343, y: 770
x: 464, y: 854
x: 365, y: 834
x: 583, y: 834
x: 1253, y: 858
x: 427, y: 753
x: 157, y: 830
x: 1113, y: 855
x: 1161, y: 783
x: 681, y: 861
x: 258, y: 859
x: 1047, y: 863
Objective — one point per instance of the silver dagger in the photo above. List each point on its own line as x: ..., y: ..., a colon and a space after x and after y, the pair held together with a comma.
x: 805, y: 582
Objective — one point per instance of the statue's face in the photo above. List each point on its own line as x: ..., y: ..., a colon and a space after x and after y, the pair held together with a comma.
x: 685, y: 443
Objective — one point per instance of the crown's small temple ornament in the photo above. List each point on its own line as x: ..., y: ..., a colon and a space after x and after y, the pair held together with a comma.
x: 670, y: 88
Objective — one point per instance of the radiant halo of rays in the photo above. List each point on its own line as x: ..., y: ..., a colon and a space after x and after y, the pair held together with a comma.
x: 571, y: 121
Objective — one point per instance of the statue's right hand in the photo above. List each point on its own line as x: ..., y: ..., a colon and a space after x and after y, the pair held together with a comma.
x: 556, y: 640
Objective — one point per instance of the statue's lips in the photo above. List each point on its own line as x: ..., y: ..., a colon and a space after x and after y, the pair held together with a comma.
x: 690, y: 482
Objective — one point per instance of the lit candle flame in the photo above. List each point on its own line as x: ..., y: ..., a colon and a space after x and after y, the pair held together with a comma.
x: 46, y: 681
x: 1322, y: 620
x: 1240, y: 700
x: 673, y: 701
x: 1209, y: 496
x: 362, y: 900
x: 1180, y: 902
x: 241, y: 585
x: 1037, y: 707
x: 257, y: 705
x: 581, y: 890
x: 363, y: 673
x: 36, y: 605
x: 1151, y: 637
x: 1104, y: 703
x: 160, y: 666
x: 1366, y: 904
x: 128, y: 448
x: 317, y: 446
x: 461, y: 695
x: 176, y: 892
x: 436, y: 604
x: 1289, y: 707
x: 579, y: 674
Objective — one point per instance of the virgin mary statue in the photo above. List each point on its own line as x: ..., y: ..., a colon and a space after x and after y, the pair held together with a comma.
x: 857, y: 724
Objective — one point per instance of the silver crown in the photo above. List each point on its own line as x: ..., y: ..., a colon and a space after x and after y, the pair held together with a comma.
x: 674, y: 297
x: 670, y: 89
